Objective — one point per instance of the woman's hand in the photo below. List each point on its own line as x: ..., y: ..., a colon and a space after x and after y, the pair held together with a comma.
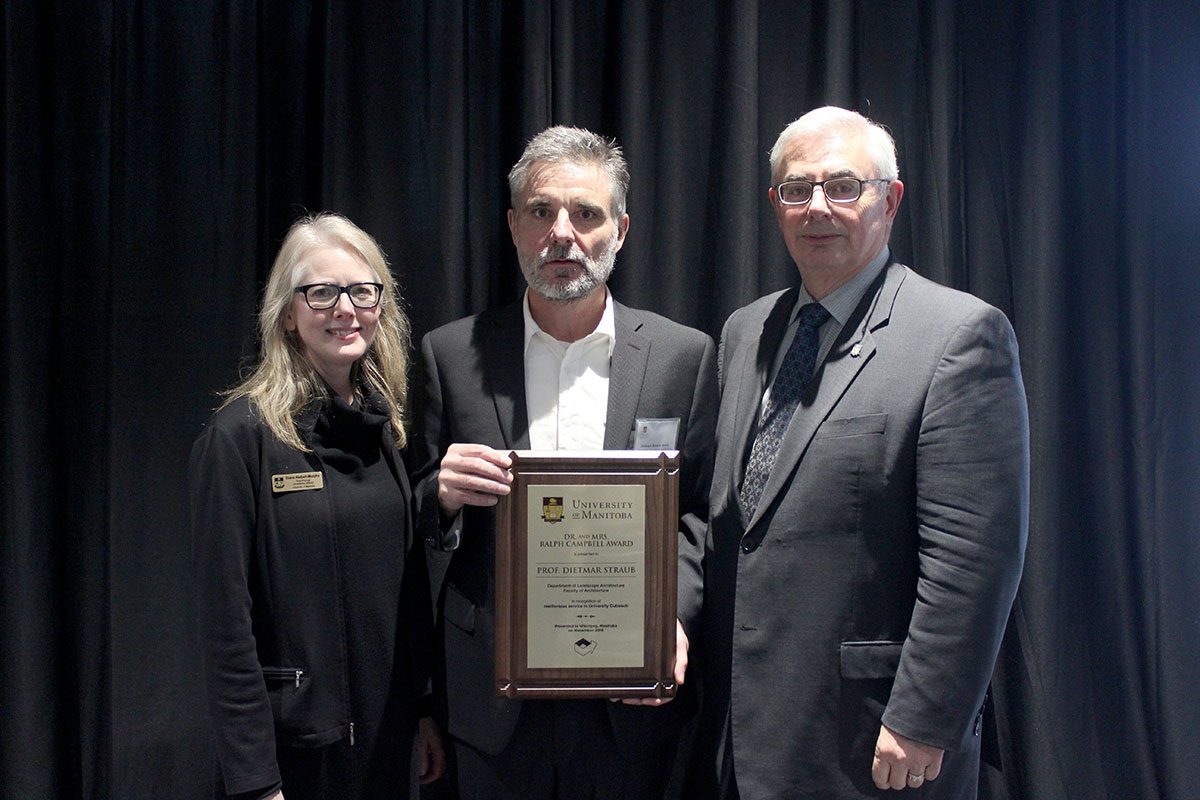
x: 431, y: 755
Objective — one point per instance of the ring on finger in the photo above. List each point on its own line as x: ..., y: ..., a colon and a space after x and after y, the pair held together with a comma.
x: 916, y: 778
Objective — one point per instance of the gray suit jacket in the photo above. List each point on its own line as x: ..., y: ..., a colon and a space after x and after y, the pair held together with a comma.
x: 475, y: 392
x: 876, y: 576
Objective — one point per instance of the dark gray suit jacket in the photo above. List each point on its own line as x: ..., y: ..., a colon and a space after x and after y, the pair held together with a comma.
x: 475, y: 392
x: 875, y: 579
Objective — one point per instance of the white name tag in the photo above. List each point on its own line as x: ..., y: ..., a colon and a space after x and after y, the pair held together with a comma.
x: 655, y: 434
x: 297, y: 482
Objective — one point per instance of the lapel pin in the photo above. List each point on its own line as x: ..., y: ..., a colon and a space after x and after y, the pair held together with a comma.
x: 856, y: 351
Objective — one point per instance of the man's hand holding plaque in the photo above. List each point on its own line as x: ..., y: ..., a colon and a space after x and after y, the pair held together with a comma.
x: 472, y: 475
x: 679, y: 669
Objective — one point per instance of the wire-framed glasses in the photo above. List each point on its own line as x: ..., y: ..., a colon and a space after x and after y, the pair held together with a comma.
x: 837, y: 190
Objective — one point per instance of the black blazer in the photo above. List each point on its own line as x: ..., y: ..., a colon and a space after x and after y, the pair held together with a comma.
x: 475, y: 392
x: 270, y: 596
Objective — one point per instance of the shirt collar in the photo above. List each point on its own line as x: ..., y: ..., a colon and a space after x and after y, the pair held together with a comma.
x: 841, y: 302
x: 606, y: 327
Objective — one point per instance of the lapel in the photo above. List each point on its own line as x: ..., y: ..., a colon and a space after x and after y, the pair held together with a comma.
x: 851, y: 351
x: 750, y: 392
x: 504, y: 372
x: 626, y: 372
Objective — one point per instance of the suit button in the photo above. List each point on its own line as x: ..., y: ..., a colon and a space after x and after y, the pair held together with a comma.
x: 748, y: 544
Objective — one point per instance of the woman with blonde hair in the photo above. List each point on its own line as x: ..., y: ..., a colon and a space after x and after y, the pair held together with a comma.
x: 314, y: 599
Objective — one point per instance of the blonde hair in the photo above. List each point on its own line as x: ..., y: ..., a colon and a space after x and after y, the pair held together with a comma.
x: 284, y: 383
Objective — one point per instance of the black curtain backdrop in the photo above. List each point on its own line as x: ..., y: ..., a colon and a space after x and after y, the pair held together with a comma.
x: 155, y: 152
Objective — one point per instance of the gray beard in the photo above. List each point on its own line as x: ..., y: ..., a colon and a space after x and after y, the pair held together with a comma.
x: 595, y: 272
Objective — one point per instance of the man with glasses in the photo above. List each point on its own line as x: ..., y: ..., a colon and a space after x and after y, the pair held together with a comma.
x: 565, y: 368
x: 869, y: 501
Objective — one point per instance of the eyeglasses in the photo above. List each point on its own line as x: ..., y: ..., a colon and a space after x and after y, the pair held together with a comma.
x: 321, y: 296
x: 837, y: 190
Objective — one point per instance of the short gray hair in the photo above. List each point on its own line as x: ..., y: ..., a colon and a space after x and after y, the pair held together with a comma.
x: 831, y: 120
x: 565, y: 145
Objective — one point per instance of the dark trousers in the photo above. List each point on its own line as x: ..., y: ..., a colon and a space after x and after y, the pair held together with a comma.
x: 958, y: 781
x: 565, y: 750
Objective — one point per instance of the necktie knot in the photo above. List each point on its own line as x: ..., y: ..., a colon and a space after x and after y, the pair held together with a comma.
x: 796, y: 370
x: 811, y: 317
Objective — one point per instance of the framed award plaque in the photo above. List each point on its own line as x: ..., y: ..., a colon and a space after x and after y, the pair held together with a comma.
x: 586, y: 547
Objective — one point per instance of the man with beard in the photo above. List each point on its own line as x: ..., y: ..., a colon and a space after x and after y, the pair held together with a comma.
x: 566, y: 368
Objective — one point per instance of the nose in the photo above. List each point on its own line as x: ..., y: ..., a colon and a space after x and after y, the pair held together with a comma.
x: 818, y: 208
x: 561, y: 230
x: 343, y: 305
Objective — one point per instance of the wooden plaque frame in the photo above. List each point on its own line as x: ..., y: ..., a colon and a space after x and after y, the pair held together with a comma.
x: 658, y: 472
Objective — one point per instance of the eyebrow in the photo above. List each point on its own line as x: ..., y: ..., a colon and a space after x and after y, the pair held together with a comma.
x: 589, y: 206
x: 841, y: 173
x: 543, y: 202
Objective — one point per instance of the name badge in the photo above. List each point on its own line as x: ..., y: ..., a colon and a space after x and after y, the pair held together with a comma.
x: 655, y: 434
x: 297, y: 482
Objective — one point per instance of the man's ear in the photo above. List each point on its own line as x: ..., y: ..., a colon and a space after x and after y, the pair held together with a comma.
x: 895, y: 192
x: 622, y: 229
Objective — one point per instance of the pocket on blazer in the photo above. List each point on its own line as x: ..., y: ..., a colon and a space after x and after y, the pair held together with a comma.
x: 841, y: 472
x: 868, y: 670
x: 458, y: 610
x: 852, y: 426
x: 870, y: 660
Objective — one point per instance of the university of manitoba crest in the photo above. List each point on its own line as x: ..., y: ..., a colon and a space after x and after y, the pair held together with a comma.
x: 552, y: 509
x: 278, y: 482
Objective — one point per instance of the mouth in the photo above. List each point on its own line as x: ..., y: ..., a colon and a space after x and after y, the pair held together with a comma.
x: 561, y: 267
x: 345, y: 334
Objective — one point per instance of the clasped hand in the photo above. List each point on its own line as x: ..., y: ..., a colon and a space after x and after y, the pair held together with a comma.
x: 901, y: 762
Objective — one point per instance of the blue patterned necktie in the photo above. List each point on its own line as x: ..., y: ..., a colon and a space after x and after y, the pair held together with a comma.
x: 794, y: 374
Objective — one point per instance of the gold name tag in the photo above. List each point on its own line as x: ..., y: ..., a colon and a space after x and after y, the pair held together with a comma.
x: 297, y: 482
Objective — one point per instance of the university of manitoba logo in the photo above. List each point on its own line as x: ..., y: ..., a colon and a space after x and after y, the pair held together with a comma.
x: 552, y: 509
x: 584, y: 647
x: 277, y: 482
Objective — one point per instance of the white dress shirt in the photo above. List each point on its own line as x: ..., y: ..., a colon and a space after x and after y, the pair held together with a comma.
x: 566, y: 384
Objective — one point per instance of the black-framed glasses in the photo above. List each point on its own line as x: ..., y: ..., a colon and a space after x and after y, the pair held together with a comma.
x: 321, y: 296
x: 837, y: 190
